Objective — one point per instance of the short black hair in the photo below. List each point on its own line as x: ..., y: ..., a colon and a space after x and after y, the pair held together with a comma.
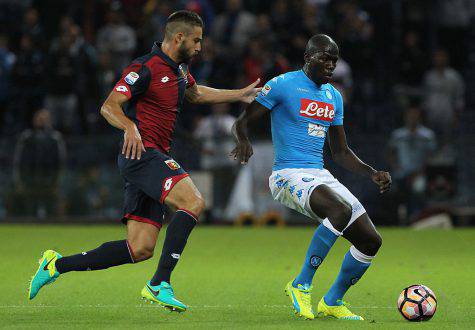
x: 315, y: 43
x: 181, y: 21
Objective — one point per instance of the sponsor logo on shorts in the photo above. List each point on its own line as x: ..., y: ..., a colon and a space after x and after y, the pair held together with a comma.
x: 175, y: 256
x: 265, y: 90
x: 122, y: 88
x: 165, y: 79
x: 307, y: 179
x: 317, y: 110
x: 131, y: 78
x: 172, y: 164
x: 354, y: 280
x: 315, y: 261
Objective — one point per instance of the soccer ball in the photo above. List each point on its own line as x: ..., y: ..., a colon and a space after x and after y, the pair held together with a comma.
x: 417, y: 303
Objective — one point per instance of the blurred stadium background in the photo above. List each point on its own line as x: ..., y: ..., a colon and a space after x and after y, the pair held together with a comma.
x: 407, y: 73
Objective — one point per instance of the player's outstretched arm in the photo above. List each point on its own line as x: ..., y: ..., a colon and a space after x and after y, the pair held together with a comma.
x: 345, y: 157
x: 200, y: 94
x: 112, y: 111
x: 243, y: 150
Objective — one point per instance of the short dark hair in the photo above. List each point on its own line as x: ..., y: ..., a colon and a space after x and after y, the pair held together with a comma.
x: 315, y: 43
x: 181, y: 21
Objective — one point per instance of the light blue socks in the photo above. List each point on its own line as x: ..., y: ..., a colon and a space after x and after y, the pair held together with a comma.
x: 322, y: 241
x: 354, y: 266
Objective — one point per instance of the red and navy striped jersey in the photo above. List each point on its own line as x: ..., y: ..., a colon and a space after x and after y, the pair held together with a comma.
x: 155, y: 87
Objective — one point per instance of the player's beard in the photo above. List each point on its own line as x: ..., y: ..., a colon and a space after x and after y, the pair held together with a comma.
x: 184, y: 55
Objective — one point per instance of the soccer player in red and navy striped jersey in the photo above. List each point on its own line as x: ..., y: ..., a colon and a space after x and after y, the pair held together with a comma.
x: 145, y: 104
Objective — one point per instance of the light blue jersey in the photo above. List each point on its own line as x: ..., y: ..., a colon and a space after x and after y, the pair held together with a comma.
x: 301, y: 114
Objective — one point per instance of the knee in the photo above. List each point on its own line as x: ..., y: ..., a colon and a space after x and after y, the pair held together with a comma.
x: 196, y: 205
x: 141, y: 252
x: 340, y: 214
x: 371, y: 244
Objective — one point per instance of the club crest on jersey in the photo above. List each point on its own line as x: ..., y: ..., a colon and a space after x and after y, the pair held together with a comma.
x: 172, y: 164
x: 121, y: 88
x: 265, y: 90
x: 317, y: 110
x: 131, y: 78
x: 328, y: 94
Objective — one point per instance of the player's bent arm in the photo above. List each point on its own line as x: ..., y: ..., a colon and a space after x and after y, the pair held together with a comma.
x: 343, y: 155
x: 252, y: 112
x: 112, y: 111
x: 200, y: 94
x: 243, y: 150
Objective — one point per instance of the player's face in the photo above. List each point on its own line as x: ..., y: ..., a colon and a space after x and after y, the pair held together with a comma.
x: 322, y: 63
x: 191, y: 44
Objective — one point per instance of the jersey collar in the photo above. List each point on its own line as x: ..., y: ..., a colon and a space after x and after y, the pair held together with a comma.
x: 157, y: 50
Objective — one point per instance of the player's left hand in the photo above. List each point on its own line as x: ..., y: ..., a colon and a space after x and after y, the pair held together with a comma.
x: 242, y: 152
x: 250, y: 92
x: 383, y: 180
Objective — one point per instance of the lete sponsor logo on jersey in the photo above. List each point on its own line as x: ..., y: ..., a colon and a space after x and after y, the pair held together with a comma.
x: 317, y: 110
x: 131, y: 78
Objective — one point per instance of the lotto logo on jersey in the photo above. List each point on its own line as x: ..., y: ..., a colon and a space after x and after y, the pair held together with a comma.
x: 317, y: 110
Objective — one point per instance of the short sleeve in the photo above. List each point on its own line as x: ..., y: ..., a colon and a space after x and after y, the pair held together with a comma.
x: 134, y: 81
x: 338, y: 119
x: 271, y: 93
x: 190, y: 81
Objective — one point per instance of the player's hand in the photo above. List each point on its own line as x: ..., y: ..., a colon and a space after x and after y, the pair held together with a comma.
x: 250, y: 92
x: 242, y: 152
x: 133, y: 145
x: 383, y: 180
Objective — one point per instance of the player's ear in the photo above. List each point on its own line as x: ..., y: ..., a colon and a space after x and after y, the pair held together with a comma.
x: 306, y: 57
x: 179, y: 37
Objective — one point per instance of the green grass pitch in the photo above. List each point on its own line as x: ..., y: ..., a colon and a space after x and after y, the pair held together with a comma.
x: 233, y: 278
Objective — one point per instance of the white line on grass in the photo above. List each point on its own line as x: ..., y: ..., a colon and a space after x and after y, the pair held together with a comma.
x: 196, y: 307
x: 152, y: 306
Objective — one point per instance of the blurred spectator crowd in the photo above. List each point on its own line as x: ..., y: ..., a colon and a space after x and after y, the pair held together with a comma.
x: 405, y: 67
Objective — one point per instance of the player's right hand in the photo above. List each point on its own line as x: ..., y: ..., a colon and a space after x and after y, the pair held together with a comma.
x: 242, y: 152
x: 133, y: 145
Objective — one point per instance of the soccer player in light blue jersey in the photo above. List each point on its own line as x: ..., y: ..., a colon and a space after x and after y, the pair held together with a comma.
x: 305, y: 109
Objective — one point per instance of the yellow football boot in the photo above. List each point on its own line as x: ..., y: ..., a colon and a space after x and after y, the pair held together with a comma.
x: 339, y: 312
x: 301, y: 299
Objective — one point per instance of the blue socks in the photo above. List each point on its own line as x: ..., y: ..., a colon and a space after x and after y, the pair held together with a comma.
x: 322, y: 241
x: 354, y: 266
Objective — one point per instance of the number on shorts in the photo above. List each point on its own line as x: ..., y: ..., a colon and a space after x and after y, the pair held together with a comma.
x: 168, y: 184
